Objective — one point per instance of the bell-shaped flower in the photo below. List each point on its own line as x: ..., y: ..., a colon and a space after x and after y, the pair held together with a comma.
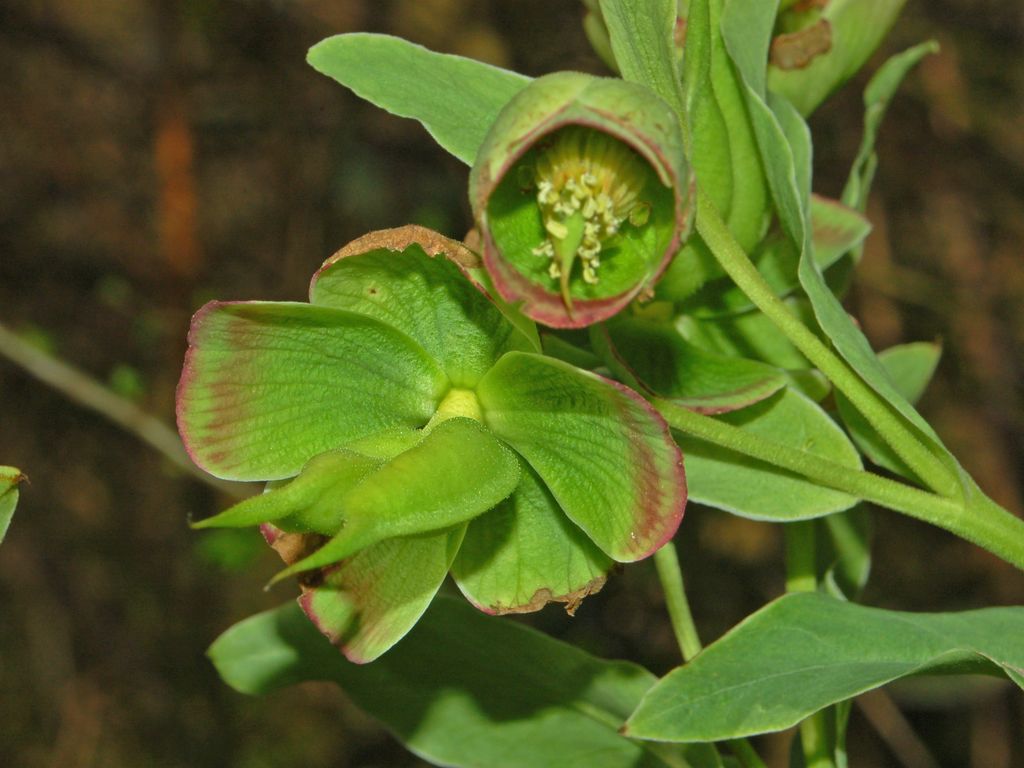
x: 409, y: 427
x: 582, y: 195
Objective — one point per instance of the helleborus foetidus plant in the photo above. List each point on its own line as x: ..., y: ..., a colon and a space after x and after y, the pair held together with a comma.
x: 412, y: 422
x: 408, y: 428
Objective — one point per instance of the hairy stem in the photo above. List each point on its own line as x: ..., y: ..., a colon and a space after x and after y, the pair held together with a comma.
x: 802, y: 576
x: 670, y: 575
x: 889, y: 424
x: 976, y: 518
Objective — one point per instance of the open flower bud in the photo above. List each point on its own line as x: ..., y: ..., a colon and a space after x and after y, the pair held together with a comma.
x: 410, y: 427
x: 582, y: 195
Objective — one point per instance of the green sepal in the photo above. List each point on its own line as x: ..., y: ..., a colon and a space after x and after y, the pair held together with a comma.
x: 420, y: 282
x: 525, y: 553
x: 9, y: 480
x: 606, y: 456
x: 370, y: 601
x: 458, y: 471
x: 266, y: 386
x: 308, y: 504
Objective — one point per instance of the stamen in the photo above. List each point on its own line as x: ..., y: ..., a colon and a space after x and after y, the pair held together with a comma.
x: 588, y: 174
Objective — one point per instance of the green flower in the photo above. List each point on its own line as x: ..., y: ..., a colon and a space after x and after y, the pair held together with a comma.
x: 581, y: 192
x: 409, y: 426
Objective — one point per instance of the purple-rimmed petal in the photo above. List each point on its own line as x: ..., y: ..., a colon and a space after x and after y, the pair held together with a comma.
x: 606, y: 456
x: 266, y: 386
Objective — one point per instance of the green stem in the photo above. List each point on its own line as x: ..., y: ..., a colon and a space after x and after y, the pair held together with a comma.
x: 666, y: 562
x: 802, y: 576
x: 671, y: 576
x: 801, y: 571
x: 746, y: 754
x: 888, y: 423
x: 976, y: 519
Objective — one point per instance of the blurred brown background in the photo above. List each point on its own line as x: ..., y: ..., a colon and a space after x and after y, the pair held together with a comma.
x: 154, y: 154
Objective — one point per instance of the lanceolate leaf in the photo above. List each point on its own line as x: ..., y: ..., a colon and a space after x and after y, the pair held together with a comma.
x: 526, y: 553
x: 654, y: 358
x: 416, y: 280
x: 462, y: 689
x: 744, y: 486
x: 877, y: 96
x: 369, y: 602
x: 456, y: 99
x: 9, y: 479
x: 457, y: 472
x: 267, y: 386
x: 806, y: 651
x: 642, y: 34
x: 604, y: 453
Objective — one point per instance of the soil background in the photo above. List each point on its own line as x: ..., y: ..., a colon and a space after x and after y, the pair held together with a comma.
x: 156, y: 154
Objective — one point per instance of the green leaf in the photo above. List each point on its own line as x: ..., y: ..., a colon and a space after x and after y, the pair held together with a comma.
x: 749, y: 334
x: 416, y: 280
x: 525, y: 553
x: 457, y: 472
x: 454, y: 98
x: 604, y: 453
x: 910, y: 366
x: 744, y: 486
x: 877, y: 96
x: 266, y: 386
x: 806, y: 651
x: 722, y: 146
x: 857, y: 29
x: 642, y: 35
x: 369, y: 602
x: 9, y: 479
x: 462, y: 689
x: 653, y: 357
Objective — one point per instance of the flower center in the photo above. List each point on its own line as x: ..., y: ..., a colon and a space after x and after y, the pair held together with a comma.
x: 588, y: 184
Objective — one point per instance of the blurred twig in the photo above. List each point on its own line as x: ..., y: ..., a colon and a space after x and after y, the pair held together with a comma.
x: 86, y: 391
x: 890, y: 724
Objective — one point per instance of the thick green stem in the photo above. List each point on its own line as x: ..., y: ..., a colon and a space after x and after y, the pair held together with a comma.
x: 976, y: 519
x: 889, y: 424
x: 666, y: 561
x: 671, y: 576
x: 802, y: 576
